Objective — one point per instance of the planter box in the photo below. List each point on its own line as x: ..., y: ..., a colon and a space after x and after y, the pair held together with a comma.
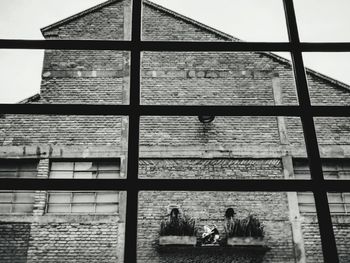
x: 245, y: 241
x: 178, y: 240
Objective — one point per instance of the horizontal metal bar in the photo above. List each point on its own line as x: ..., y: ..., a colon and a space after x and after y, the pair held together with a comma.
x: 172, y: 185
x: 171, y: 110
x: 171, y: 45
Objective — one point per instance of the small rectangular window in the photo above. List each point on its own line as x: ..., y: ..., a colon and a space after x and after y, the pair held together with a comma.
x: 95, y: 169
x: 14, y: 168
x: 16, y: 202
x: 83, y: 202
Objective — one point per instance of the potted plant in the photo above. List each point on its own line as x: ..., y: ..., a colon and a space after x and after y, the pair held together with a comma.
x: 178, y: 230
x: 242, y: 232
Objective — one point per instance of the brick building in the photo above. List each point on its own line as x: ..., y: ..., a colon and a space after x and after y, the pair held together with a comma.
x: 56, y: 226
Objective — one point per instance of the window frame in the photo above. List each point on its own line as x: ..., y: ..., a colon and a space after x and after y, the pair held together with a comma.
x: 132, y: 184
x: 71, y: 202
x: 75, y: 160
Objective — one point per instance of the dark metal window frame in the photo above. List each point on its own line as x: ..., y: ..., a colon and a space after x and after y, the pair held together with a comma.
x: 132, y: 184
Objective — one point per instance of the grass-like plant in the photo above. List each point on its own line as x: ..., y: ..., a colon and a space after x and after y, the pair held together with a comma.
x: 247, y: 227
x: 179, y: 226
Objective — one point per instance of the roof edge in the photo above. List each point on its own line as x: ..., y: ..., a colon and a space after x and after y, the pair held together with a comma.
x: 32, y: 98
x: 232, y: 38
x: 226, y: 36
x: 192, y: 21
x: 310, y: 71
x: 78, y: 15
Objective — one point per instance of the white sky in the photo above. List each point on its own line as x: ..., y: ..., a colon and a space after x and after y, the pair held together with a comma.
x: 250, y: 20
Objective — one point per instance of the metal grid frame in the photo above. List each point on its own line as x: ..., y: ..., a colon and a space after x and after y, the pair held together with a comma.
x: 132, y: 184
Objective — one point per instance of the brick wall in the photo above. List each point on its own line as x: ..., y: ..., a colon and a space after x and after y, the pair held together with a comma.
x: 73, y: 242
x: 312, y: 239
x: 105, y: 23
x: 232, y: 78
x: 14, y: 241
x: 21, y: 130
x: 211, y: 168
x: 209, y: 208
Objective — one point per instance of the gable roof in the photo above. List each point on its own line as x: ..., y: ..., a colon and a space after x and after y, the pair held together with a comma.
x: 202, y: 26
x: 78, y: 15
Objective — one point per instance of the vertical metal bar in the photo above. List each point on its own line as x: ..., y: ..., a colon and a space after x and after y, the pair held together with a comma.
x: 133, y: 138
x: 322, y: 207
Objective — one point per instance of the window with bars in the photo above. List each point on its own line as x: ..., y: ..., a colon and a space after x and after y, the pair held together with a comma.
x: 82, y: 202
x: 94, y: 169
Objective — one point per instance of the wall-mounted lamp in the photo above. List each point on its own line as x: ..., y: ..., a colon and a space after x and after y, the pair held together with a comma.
x: 206, y: 119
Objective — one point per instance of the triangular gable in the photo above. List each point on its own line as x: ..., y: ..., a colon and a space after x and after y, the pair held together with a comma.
x: 197, y: 24
x: 78, y: 15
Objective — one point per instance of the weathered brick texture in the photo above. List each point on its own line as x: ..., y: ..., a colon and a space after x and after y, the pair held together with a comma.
x: 211, y: 168
x: 186, y: 130
x: 21, y: 130
x: 14, y: 241
x: 341, y: 228
x: 106, y: 23
x: 73, y: 242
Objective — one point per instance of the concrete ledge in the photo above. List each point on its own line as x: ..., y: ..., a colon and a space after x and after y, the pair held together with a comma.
x: 177, y: 240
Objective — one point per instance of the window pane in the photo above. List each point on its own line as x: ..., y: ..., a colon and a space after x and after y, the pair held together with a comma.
x: 337, y: 208
x: 61, y: 174
x: 45, y: 230
x: 24, y: 197
x: 22, y: 208
x: 107, y: 197
x: 6, y: 197
x: 84, y: 175
x: 59, y: 198
x: 107, y: 175
x: 314, y: 27
x: 109, y: 165
x: 106, y: 208
x: 27, y: 174
x: 62, y: 166
x: 340, y: 222
x: 333, y: 136
x: 212, y: 210
x: 65, y: 76
x: 5, y: 208
x: 182, y: 20
x: 85, y: 166
x: 13, y: 168
x: 217, y: 78
x: 239, y: 147
x: 8, y: 174
x: 328, y: 78
x: 346, y: 198
x: 83, y: 197
x: 335, y: 198
x: 58, y: 208
x: 83, y: 208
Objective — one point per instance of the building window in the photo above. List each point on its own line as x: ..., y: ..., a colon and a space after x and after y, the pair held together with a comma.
x: 83, y: 202
x: 339, y: 203
x: 18, y: 168
x: 16, y: 202
x: 95, y: 169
